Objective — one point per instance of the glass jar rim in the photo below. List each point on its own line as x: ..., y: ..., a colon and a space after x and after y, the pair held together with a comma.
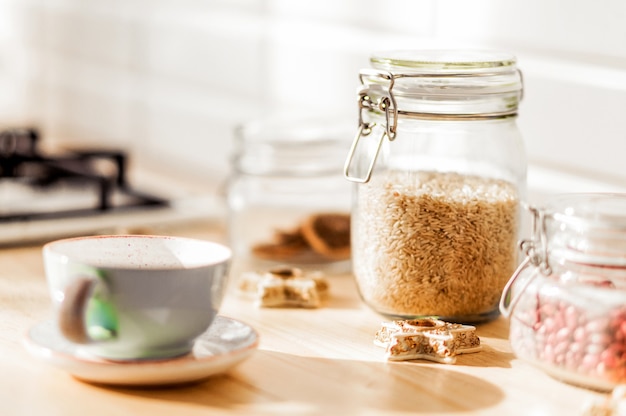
x: 587, y: 228
x: 589, y: 210
x: 289, y: 144
x: 442, y: 61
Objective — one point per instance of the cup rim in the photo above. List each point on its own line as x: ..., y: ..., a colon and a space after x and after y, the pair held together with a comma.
x: 58, y: 248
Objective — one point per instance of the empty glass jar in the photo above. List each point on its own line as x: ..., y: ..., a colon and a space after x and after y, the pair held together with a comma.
x: 289, y: 204
x: 440, y: 171
x: 567, y: 301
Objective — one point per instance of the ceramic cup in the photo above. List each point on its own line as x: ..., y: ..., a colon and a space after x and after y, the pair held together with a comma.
x: 130, y: 297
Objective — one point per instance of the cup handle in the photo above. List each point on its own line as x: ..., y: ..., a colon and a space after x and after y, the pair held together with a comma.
x: 73, y: 308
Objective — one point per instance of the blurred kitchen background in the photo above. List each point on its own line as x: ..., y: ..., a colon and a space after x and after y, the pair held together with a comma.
x: 168, y: 80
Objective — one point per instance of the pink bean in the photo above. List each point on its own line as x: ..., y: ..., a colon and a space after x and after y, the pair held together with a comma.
x: 548, y: 354
x: 547, y: 309
x: 609, y: 359
x: 600, y: 338
x: 561, y: 348
x: 580, y: 335
x: 597, y: 325
x: 594, y: 349
x: 559, y: 359
x: 576, y: 348
x: 571, y: 317
x: 590, y: 360
x: 563, y: 334
x: 572, y: 360
x: 550, y: 325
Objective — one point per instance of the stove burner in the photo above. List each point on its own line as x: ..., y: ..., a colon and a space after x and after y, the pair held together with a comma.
x: 102, y: 172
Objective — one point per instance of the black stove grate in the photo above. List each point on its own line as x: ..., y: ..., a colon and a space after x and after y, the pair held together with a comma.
x: 98, y: 171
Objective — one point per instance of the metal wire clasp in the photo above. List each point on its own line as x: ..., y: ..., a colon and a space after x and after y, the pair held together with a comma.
x: 536, y: 250
x: 375, y: 93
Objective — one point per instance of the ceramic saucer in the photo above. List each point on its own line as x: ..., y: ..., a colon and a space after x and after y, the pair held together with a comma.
x: 226, y: 343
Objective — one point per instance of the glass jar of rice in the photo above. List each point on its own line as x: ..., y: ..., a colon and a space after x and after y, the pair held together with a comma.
x: 440, y: 171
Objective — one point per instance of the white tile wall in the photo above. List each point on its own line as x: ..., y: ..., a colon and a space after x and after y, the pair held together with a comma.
x: 169, y: 79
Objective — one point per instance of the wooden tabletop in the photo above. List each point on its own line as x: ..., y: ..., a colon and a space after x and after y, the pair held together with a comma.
x: 309, y: 362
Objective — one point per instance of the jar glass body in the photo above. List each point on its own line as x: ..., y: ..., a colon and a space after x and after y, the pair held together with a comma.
x: 434, y: 231
x: 568, y: 316
x: 287, y: 172
x: 574, y: 331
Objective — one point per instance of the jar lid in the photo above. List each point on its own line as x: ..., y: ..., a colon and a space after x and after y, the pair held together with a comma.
x: 588, y: 227
x: 451, y: 82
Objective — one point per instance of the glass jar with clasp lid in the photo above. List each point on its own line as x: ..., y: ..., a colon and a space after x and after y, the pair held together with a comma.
x: 567, y: 300
x: 440, y: 171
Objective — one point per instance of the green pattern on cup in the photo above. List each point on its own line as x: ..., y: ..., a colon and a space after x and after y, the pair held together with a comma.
x: 101, y: 318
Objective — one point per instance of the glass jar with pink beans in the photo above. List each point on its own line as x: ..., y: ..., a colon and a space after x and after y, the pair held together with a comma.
x: 567, y: 300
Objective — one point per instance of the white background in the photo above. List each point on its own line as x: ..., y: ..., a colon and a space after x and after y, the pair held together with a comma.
x: 169, y: 79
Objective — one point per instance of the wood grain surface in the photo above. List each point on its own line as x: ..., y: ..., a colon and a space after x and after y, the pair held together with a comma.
x: 309, y: 362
